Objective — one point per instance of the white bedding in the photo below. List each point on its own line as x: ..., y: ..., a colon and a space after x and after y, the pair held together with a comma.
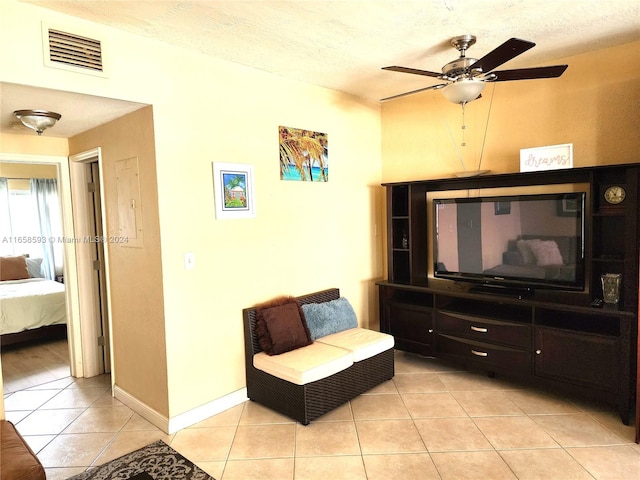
x: 31, y: 303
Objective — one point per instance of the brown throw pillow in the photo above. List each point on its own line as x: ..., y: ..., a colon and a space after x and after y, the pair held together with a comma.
x: 13, y: 268
x: 281, y: 327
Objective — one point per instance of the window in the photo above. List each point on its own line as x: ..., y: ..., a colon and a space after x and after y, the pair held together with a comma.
x: 26, y: 228
x: 24, y: 224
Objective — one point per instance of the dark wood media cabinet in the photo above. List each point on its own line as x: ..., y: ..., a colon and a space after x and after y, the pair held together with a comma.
x: 550, y: 338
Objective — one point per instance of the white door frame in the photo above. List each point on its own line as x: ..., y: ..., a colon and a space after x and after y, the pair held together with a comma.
x: 74, y: 334
x: 92, y: 354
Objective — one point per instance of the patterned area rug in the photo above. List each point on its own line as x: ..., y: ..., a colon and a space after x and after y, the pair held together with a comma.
x: 158, y: 460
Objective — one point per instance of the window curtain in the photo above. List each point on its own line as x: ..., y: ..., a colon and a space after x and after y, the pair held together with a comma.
x: 6, y: 247
x: 44, y: 192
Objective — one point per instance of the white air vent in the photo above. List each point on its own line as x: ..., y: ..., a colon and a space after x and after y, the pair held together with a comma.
x: 74, y: 50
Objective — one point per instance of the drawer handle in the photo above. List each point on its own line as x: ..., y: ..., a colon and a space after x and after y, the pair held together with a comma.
x: 538, y: 352
x: 430, y: 330
x: 479, y: 329
x: 479, y: 354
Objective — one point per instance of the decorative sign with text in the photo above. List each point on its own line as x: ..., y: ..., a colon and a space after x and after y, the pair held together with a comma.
x: 552, y: 157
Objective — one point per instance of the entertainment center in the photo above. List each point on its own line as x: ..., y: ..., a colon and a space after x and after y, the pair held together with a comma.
x: 462, y: 283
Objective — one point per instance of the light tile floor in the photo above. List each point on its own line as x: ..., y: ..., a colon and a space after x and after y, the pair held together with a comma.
x: 432, y: 421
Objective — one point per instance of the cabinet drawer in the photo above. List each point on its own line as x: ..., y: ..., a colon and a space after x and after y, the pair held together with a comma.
x: 484, y: 329
x: 485, y: 354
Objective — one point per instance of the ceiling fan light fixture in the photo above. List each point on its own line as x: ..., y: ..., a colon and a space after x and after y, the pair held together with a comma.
x: 463, y: 91
x: 37, y: 120
x: 468, y: 74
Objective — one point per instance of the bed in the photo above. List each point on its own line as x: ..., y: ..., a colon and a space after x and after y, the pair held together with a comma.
x: 30, y: 308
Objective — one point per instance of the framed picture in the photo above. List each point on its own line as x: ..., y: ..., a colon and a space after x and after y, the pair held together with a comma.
x: 551, y: 157
x: 502, y: 208
x: 304, y: 155
x: 569, y: 207
x: 233, y: 190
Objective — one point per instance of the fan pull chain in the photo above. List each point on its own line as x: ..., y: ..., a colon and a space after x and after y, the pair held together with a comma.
x: 464, y: 126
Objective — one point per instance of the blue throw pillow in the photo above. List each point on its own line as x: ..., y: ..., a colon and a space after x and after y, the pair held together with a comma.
x: 330, y: 317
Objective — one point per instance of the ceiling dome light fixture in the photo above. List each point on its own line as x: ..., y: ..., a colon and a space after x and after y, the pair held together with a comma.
x: 463, y: 91
x: 38, y: 120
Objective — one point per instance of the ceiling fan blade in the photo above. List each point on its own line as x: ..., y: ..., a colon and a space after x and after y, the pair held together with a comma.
x: 529, y: 73
x: 414, y: 71
x: 432, y: 87
x: 505, y: 52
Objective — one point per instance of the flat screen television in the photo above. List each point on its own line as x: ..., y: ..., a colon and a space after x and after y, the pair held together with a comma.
x: 513, y: 243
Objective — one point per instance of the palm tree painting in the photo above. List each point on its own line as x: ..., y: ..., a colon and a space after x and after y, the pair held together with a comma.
x: 304, y: 155
x: 235, y: 192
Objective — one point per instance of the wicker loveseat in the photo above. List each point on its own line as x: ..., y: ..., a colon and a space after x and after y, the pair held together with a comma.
x: 306, y: 401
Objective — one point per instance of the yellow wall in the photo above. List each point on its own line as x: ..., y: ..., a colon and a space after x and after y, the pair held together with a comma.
x: 594, y: 105
x: 135, y: 272
x: 20, y: 173
x: 28, y: 144
x: 304, y: 237
x: 21, y: 170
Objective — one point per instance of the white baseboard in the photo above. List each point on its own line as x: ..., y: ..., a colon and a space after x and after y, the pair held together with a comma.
x: 207, y: 410
x: 142, y: 409
x: 186, y: 419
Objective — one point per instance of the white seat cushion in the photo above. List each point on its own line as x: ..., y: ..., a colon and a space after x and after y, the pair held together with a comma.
x: 363, y: 343
x: 305, y: 365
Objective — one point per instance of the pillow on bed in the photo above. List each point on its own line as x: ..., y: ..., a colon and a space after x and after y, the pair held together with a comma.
x: 13, y: 268
x: 325, y: 318
x: 34, y: 266
x: 280, y: 326
x: 546, y: 252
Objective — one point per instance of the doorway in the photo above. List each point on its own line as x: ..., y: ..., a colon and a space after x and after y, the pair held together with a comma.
x: 92, y: 260
x: 33, y: 345
x: 100, y: 284
x: 87, y: 292
x: 73, y: 356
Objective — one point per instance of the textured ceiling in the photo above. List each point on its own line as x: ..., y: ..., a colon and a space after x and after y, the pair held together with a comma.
x: 343, y: 44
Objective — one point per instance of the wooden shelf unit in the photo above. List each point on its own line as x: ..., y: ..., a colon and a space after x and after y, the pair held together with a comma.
x: 552, y: 338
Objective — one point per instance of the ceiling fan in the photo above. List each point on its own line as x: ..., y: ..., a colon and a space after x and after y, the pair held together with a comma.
x: 466, y: 76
